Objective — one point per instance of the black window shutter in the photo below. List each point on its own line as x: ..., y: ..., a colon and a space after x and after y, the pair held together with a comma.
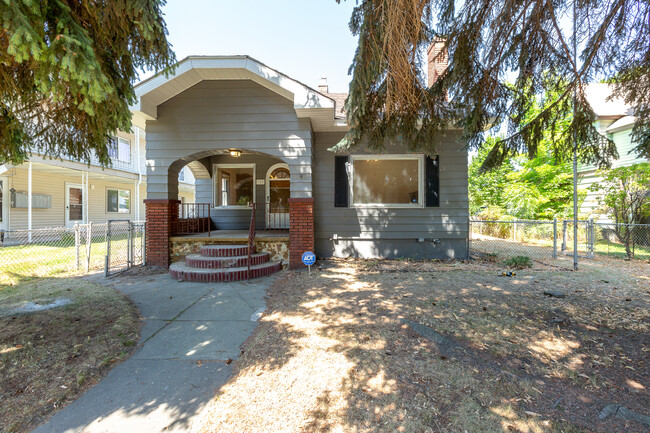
x: 432, y: 169
x: 340, y: 181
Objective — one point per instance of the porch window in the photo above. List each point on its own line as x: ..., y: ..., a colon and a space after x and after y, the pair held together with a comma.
x: 118, y: 201
x: 119, y: 149
x: 387, y: 180
x: 234, y: 185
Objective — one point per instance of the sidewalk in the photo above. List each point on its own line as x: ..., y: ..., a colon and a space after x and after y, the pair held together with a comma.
x: 191, y: 330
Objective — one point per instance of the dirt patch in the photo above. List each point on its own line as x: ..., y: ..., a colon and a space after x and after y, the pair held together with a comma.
x: 50, y: 356
x: 140, y: 272
x: 346, y: 350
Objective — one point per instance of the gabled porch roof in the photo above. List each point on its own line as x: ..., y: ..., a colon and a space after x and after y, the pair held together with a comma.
x: 307, y: 102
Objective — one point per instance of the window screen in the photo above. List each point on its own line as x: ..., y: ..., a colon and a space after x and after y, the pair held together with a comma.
x: 118, y: 201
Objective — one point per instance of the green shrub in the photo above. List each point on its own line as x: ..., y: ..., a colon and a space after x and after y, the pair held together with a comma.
x: 518, y: 262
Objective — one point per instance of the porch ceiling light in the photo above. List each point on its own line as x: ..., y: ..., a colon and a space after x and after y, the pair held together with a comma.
x: 235, y: 153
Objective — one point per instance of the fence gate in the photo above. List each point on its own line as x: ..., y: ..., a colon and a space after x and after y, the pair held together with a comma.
x: 125, y: 246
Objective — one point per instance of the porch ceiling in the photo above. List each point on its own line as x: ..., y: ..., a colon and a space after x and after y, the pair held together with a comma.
x: 307, y: 102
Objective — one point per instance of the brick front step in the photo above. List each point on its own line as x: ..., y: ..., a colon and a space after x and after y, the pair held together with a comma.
x: 224, y: 250
x: 203, y: 262
x: 182, y: 272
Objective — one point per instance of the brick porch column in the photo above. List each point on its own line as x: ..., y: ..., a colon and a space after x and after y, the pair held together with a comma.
x: 301, y: 230
x: 162, y: 215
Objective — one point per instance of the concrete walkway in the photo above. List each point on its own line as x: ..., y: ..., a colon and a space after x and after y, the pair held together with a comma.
x: 191, y: 329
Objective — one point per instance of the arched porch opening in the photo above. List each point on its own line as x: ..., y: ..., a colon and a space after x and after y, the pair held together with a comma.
x: 234, y: 187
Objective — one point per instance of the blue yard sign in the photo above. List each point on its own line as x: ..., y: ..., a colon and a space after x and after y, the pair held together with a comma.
x: 308, y: 258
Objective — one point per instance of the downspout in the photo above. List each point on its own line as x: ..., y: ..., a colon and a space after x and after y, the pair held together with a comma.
x: 137, y: 189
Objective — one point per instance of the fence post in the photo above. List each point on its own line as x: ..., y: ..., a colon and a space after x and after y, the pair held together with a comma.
x: 590, y: 238
x: 555, y: 238
x: 564, y: 228
x: 108, y: 248
x: 514, y: 231
x: 469, y: 238
x: 89, y: 241
x: 143, y: 244
x: 129, y: 259
x: 76, y: 245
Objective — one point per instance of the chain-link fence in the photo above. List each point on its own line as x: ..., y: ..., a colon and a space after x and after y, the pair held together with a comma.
x: 621, y: 240
x: 60, y: 251
x: 584, y: 236
x: 548, y: 239
x: 535, y: 239
x: 125, y: 246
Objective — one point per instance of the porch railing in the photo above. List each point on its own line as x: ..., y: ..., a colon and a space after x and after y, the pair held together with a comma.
x: 193, y: 218
x: 276, y: 216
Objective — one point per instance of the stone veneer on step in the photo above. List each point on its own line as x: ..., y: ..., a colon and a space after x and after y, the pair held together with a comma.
x: 220, y: 263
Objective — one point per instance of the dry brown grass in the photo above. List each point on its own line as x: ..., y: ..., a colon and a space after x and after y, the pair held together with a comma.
x: 332, y: 353
x: 49, y: 358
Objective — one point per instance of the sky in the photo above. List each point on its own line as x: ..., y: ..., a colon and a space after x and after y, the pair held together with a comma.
x: 304, y: 39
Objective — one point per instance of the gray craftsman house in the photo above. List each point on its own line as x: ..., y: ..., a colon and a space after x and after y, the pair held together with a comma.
x: 257, y: 143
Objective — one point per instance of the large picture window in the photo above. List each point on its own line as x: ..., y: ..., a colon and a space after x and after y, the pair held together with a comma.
x: 234, y: 184
x: 387, y: 180
x: 118, y: 200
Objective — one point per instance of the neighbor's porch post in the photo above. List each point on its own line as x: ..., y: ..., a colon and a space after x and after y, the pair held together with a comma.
x: 301, y: 229
x: 29, y: 200
x: 162, y: 216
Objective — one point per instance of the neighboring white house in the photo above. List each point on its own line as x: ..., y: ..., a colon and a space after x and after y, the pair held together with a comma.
x: 66, y: 192
x: 614, y: 121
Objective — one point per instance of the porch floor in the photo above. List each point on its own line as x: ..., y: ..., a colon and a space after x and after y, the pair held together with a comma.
x: 234, y: 236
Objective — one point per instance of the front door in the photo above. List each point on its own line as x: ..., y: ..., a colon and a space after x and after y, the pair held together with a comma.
x: 278, y: 190
x: 74, y: 205
x: 4, y: 205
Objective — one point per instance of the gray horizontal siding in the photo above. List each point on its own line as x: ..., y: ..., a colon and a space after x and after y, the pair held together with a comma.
x: 393, y: 248
x: 217, y: 115
x: 392, y: 232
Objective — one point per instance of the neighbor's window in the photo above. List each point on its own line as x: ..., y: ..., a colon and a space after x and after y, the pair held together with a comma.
x: 118, y: 201
x: 234, y: 184
x: 386, y: 180
x: 119, y: 149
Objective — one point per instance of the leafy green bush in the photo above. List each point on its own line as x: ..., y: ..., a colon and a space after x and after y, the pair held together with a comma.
x: 518, y: 262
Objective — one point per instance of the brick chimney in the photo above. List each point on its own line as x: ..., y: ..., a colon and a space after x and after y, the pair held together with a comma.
x: 437, y: 60
x: 322, y: 85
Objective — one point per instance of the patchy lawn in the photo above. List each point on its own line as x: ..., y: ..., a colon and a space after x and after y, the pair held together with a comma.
x: 394, y: 346
x: 58, y: 258
x: 50, y: 356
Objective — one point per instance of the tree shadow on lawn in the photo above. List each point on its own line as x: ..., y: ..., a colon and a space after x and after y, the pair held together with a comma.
x: 58, y: 336
x: 48, y: 359
x: 333, y: 354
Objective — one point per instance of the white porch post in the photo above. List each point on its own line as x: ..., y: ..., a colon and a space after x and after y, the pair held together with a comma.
x: 85, y: 201
x: 29, y: 200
